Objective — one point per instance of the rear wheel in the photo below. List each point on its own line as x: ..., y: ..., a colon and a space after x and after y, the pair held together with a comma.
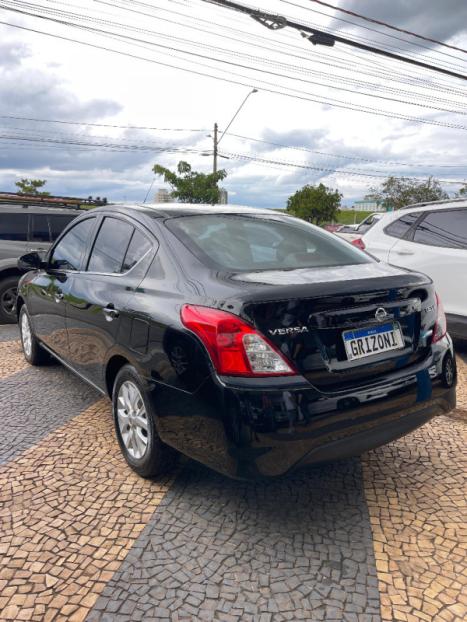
x: 134, y: 417
x: 8, y: 290
x: 32, y: 351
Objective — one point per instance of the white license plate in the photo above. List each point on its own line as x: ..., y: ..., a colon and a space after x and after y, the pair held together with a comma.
x: 365, y: 342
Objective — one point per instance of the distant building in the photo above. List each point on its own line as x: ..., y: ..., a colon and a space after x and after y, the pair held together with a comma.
x: 163, y: 196
x: 223, y: 196
x: 368, y: 205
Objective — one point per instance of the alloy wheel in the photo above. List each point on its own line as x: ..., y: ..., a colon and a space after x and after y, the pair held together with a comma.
x: 132, y: 420
x: 26, y: 335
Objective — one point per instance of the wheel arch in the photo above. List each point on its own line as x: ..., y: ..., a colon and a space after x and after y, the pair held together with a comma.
x: 114, y: 365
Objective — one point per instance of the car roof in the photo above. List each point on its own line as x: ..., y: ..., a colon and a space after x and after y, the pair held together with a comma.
x: 10, y: 208
x: 172, y: 210
x: 431, y: 205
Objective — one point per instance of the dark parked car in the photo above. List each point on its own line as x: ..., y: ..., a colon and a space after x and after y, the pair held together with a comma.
x: 28, y: 223
x: 249, y: 340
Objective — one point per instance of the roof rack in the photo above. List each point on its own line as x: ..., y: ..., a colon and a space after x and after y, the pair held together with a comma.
x: 441, y: 202
x: 29, y: 200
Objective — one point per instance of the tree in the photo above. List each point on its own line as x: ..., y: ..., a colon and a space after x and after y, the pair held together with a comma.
x: 31, y: 186
x: 316, y: 204
x: 397, y: 192
x: 191, y: 187
x: 462, y: 192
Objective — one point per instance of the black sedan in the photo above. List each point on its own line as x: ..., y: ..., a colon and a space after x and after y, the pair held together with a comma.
x: 246, y: 339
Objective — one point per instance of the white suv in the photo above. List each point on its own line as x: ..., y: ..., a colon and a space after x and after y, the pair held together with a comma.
x: 429, y: 238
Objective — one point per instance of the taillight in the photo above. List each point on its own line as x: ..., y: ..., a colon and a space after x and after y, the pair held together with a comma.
x: 235, y: 347
x: 440, y: 328
x: 359, y: 243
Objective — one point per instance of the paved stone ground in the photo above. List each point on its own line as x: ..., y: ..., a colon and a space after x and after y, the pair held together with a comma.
x: 83, y: 538
x: 295, y: 549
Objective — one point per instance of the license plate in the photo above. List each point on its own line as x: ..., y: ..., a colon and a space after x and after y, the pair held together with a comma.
x: 365, y: 342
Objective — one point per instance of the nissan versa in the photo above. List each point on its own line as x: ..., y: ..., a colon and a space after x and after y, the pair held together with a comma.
x: 249, y: 340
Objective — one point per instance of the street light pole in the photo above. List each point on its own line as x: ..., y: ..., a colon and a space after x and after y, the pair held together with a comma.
x: 216, y: 149
x: 217, y: 140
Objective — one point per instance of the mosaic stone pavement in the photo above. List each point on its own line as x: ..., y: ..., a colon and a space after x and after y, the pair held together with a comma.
x: 381, y: 538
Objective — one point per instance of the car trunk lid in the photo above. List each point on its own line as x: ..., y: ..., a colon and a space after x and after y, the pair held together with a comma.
x: 306, y: 314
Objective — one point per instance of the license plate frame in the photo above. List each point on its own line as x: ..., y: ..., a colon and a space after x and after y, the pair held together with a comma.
x: 362, y: 343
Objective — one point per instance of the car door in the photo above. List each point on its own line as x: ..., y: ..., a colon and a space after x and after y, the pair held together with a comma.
x: 48, y: 293
x: 98, y: 298
x: 438, y: 247
x: 379, y: 240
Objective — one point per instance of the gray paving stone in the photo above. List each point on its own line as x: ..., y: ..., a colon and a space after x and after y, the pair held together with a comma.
x: 9, y: 332
x: 290, y: 549
x: 36, y: 401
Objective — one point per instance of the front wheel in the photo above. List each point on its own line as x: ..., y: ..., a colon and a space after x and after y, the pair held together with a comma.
x: 32, y: 351
x: 134, y: 417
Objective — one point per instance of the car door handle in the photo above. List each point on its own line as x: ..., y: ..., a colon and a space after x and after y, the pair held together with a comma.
x: 404, y: 252
x: 59, y: 296
x: 111, y: 313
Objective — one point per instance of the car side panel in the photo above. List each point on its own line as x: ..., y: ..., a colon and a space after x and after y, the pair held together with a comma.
x: 446, y: 266
x: 46, y: 308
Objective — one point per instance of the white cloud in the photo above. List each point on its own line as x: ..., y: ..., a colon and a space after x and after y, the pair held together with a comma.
x: 51, y: 78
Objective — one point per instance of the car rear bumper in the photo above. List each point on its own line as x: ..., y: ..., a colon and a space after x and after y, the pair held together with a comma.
x: 248, y: 431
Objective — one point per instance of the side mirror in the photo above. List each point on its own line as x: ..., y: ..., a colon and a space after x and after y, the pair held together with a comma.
x: 31, y: 261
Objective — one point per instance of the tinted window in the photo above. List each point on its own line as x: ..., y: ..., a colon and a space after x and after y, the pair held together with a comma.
x: 69, y: 252
x: 399, y: 227
x: 444, y: 228
x: 139, y: 246
x: 110, y: 246
x: 239, y: 243
x: 58, y: 223
x: 14, y: 227
x: 39, y: 228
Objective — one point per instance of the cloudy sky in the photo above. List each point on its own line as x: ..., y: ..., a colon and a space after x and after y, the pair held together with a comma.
x: 149, y: 78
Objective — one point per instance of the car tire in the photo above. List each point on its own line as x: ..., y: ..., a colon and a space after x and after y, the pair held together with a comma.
x: 8, y: 287
x: 32, y: 350
x: 135, y: 425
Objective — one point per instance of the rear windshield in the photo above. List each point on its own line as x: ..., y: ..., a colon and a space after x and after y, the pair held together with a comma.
x: 246, y: 243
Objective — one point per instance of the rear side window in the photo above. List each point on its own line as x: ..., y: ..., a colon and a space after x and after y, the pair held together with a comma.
x: 110, y: 246
x: 69, y: 252
x: 399, y: 227
x: 14, y: 227
x: 243, y: 243
x: 138, y: 248
x: 57, y: 223
x: 447, y: 228
x: 39, y: 228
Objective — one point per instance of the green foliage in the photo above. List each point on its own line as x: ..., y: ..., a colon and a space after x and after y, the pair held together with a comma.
x: 350, y: 217
x: 462, y: 192
x: 397, y: 192
x: 31, y: 186
x: 191, y: 187
x: 315, y: 204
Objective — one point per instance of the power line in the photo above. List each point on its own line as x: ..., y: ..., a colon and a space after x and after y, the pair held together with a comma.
x: 267, y: 87
x: 126, y: 142
x: 230, y: 155
x: 126, y: 127
x: 276, y: 22
x: 232, y: 63
x: 346, y: 157
x: 391, y: 26
x: 351, y: 58
x: 379, y: 32
x: 242, y: 156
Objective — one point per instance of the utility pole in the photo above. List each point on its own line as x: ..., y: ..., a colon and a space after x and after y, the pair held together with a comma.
x: 216, y: 149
